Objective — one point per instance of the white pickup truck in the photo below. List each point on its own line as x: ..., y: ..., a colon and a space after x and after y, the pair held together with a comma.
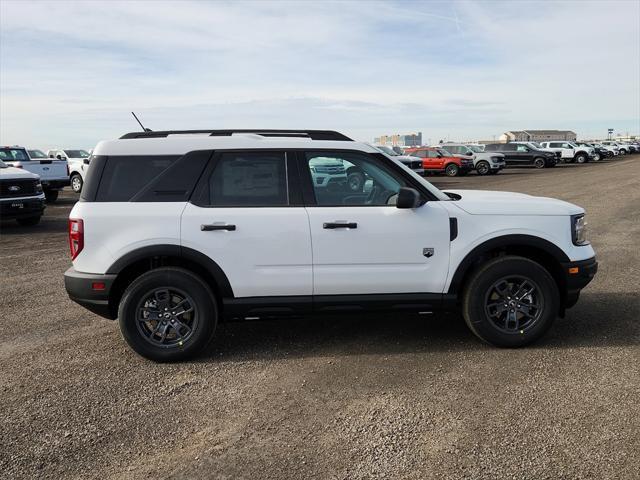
x: 569, y: 151
x: 54, y: 174
x: 78, y: 164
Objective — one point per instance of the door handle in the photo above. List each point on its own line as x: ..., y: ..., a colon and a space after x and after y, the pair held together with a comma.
x: 214, y: 227
x: 334, y: 225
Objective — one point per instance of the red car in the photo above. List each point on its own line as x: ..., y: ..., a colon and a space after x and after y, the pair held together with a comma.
x: 438, y: 160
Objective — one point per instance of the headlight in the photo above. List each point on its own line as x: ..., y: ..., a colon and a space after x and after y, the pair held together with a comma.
x: 579, y: 230
x: 38, y: 187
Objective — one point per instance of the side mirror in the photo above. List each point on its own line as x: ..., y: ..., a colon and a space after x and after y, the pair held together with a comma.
x: 59, y: 157
x: 408, y: 198
x: 86, y: 161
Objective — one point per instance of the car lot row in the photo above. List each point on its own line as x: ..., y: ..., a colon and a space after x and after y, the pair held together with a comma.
x: 459, y: 159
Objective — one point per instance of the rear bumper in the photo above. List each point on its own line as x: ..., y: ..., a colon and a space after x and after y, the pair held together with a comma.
x: 22, y: 207
x: 81, y: 288
x: 577, y: 276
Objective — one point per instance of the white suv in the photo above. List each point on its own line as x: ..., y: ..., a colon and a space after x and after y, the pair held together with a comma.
x: 78, y: 161
x: 175, y: 232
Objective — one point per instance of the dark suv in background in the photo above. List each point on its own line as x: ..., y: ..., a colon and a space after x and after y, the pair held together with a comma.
x: 517, y: 154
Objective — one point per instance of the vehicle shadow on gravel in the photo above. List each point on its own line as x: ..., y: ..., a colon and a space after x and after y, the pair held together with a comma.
x: 598, y: 320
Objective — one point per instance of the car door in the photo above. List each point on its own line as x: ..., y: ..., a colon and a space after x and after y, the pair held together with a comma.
x: 524, y: 154
x: 510, y: 154
x: 363, y: 244
x: 246, y: 217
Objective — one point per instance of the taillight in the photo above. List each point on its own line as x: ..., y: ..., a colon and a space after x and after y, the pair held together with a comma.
x: 76, y: 236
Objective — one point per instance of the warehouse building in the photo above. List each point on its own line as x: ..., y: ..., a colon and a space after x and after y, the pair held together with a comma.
x: 537, y: 136
x: 410, y: 140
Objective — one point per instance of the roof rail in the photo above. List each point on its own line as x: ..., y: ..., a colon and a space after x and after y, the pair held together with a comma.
x: 312, y: 134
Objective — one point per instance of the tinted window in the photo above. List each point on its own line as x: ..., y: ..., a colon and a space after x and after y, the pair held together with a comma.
x: 432, y: 154
x: 419, y: 154
x: 125, y: 176
x: 453, y: 149
x: 507, y: 147
x: 13, y: 154
x: 352, y: 179
x: 522, y: 148
x: 249, y: 179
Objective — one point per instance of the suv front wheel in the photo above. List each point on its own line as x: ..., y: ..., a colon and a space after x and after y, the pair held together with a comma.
x: 510, y: 301
x: 168, y: 314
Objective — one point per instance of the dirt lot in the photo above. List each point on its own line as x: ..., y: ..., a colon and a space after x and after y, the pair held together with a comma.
x: 334, y: 398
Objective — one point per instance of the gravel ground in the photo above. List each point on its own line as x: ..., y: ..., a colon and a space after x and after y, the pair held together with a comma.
x: 339, y: 398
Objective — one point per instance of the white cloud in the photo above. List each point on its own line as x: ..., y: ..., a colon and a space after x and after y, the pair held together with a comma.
x: 71, y: 71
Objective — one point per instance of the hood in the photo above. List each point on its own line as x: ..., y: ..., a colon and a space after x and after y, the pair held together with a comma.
x: 482, y: 202
x: 13, y: 173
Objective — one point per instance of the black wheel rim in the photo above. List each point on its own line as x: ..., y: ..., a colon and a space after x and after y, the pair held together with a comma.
x: 452, y: 170
x: 483, y: 168
x: 514, y: 304
x: 166, y: 317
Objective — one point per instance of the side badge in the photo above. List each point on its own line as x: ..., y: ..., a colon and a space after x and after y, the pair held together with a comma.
x: 428, y: 252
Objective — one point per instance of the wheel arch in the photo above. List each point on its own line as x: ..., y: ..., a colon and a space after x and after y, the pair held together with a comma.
x: 139, y: 261
x: 542, y: 251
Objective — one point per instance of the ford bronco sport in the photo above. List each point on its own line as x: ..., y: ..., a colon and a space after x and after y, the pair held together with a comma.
x: 176, y: 231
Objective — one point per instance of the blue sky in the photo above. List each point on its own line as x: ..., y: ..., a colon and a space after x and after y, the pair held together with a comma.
x: 70, y: 72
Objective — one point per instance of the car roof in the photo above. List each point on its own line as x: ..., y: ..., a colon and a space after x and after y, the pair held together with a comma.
x: 181, y: 143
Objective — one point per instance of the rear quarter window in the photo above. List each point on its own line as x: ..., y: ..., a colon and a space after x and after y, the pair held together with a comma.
x: 124, y: 176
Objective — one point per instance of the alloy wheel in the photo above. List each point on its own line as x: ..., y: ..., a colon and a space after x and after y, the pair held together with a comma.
x: 166, y: 317
x: 514, y: 304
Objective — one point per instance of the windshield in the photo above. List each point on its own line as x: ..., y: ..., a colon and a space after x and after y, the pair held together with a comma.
x: 37, y: 154
x: 388, y: 150
x: 444, y: 152
x: 77, y: 153
x: 475, y: 148
x: 13, y: 154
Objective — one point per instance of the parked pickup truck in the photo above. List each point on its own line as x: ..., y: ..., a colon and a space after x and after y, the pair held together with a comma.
x: 21, y: 196
x: 54, y: 174
x: 414, y: 163
x: 569, y: 151
x: 78, y: 164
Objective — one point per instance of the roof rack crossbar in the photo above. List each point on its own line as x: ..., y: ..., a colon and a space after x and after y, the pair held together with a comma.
x: 312, y: 134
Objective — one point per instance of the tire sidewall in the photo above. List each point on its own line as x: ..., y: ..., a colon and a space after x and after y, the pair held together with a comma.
x: 474, y: 308
x: 172, y: 278
x: 539, y: 163
x: 451, y: 170
x: 486, y: 168
x: 76, y: 176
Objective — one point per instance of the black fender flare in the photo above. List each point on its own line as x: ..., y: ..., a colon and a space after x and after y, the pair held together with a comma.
x: 176, y: 251
x: 514, y: 240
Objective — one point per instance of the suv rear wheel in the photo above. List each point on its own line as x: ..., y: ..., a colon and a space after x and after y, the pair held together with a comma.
x: 510, y: 301
x: 168, y: 314
x: 451, y: 170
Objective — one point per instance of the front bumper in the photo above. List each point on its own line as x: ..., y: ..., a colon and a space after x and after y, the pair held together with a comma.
x: 22, y: 207
x: 91, y: 290
x: 55, y: 184
x: 577, y: 276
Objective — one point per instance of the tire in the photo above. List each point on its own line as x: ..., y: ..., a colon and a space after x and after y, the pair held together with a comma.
x: 355, y: 181
x: 623, y: 152
x: 597, y: 157
x: 29, y: 221
x: 51, y: 195
x: 451, y: 170
x: 483, y: 168
x: 481, y: 298
x: 539, y: 162
x: 157, y: 291
x: 580, y: 158
x: 76, y: 182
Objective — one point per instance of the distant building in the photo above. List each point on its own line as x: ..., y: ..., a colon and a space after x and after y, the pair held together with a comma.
x: 537, y: 136
x: 410, y: 140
